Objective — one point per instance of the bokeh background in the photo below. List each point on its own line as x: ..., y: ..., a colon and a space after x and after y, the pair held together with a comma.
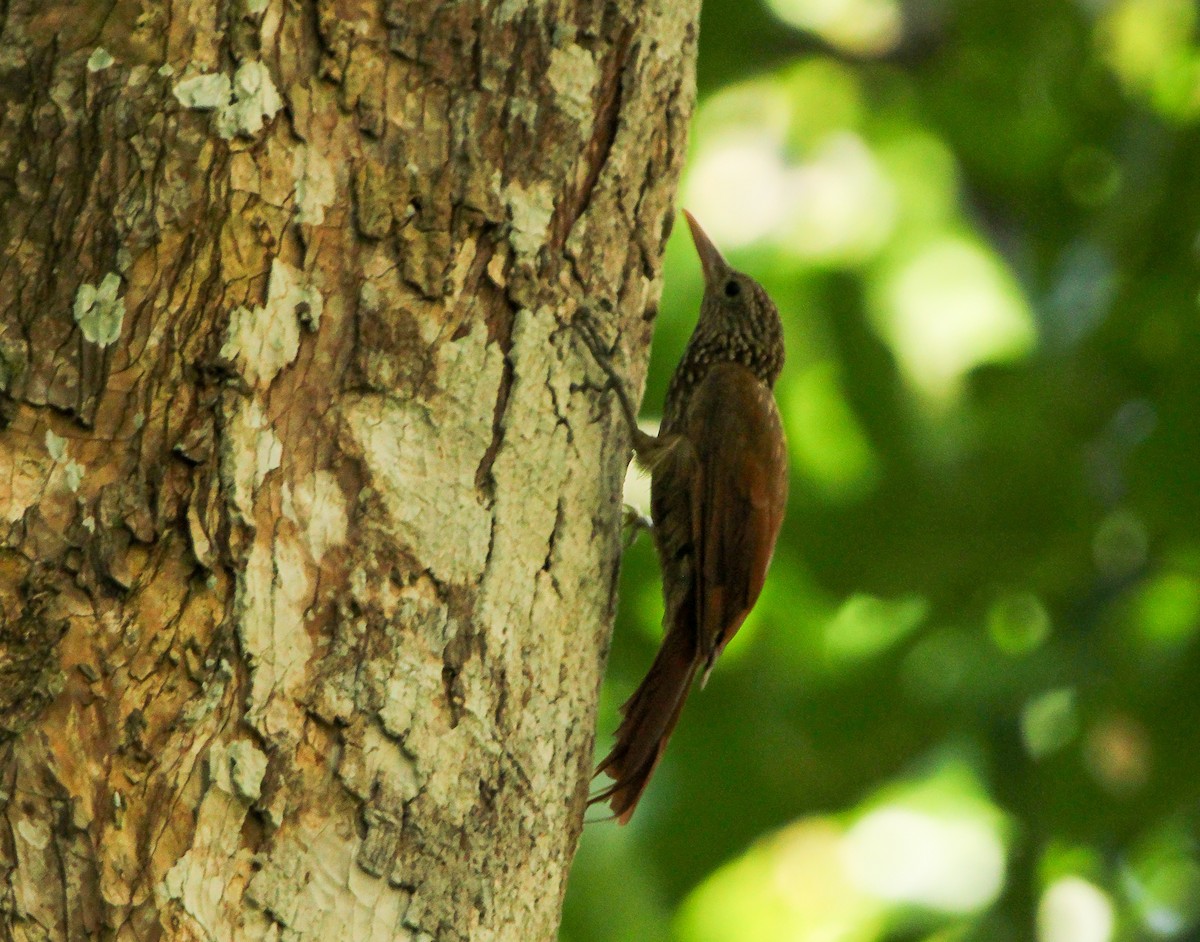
x: 967, y: 706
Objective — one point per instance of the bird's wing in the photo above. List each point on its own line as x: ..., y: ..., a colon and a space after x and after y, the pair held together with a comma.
x: 739, y: 494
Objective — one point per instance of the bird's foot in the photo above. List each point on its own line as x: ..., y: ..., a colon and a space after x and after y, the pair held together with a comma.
x: 589, y: 333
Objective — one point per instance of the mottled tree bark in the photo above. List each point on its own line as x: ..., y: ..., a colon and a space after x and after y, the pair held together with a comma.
x: 309, y: 499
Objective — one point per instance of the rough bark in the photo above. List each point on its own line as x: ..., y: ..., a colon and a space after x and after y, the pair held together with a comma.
x: 309, y: 500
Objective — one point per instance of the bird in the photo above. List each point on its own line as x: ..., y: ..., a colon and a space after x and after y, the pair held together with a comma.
x: 718, y: 491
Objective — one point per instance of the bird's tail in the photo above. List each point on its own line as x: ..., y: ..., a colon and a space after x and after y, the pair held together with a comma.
x: 648, y: 719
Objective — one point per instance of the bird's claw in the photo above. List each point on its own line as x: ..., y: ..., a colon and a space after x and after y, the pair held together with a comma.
x: 585, y: 325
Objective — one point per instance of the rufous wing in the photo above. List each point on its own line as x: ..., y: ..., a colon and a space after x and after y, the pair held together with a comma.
x: 739, y: 497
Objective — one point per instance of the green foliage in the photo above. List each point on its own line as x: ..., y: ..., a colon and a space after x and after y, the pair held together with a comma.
x: 967, y: 705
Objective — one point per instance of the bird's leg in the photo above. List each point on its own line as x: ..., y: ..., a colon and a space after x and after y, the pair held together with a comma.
x: 643, y: 443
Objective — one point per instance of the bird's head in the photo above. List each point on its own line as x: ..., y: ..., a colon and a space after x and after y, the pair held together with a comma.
x: 736, y: 309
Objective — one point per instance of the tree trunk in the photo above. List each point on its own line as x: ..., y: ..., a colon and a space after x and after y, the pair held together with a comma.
x: 309, y: 503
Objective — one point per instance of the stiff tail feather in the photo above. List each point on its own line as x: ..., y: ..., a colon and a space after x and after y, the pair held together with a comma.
x: 648, y: 719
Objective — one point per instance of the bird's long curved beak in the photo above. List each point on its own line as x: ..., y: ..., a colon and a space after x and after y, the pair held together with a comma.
x: 711, y: 260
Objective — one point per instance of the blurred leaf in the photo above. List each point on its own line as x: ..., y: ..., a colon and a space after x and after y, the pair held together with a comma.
x: 865, y: 625
x: 1167, y: 609
x: 790, y: 886
x: 827, y: 444
x: 1018, y: 622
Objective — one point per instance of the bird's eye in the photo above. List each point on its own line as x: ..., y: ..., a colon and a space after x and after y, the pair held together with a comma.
x: 732, y: 289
